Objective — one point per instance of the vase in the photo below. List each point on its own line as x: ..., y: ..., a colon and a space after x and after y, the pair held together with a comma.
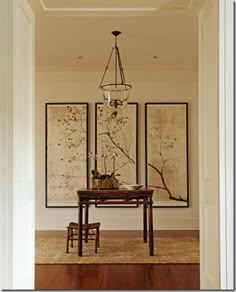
x: 110, y: 183
x: 105, y: 184
x: 97, y: 183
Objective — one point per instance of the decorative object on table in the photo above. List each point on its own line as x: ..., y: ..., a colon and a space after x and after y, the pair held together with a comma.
x: 117, y: 134
x: 104, y: 181
x: 115, y: 93
x: 92, y: 230
x: 166, y: 129
x: 132, y: 187
x: 66, y: 152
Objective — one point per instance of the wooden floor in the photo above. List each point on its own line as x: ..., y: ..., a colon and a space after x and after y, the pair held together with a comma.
x: 117, y: 277
x: 120, y: 276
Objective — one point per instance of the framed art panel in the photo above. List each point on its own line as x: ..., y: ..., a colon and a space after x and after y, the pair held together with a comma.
x: 116, y: 143
x: 66, y: 152
x: 166, y: 139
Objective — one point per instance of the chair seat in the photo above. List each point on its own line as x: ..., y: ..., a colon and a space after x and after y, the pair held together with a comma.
x: 88, y: 226
x: 90, y: 232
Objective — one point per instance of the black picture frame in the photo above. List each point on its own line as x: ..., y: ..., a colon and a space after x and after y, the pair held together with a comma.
x: 166, y: 153
x: 70, y: 162
x: 134, y: 123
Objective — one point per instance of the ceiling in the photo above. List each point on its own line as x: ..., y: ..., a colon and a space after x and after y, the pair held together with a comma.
x: 155, y: 34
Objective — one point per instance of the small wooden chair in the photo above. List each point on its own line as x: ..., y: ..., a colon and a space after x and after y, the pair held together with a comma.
x: 89, y: 231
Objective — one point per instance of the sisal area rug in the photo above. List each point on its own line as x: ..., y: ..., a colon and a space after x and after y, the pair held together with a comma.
x: 119, y: 250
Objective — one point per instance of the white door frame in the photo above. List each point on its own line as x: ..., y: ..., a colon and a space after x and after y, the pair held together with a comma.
x: 226, y: 141
x: 17, y: 193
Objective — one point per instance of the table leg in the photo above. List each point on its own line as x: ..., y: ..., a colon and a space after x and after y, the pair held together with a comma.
x: 80, y: 222
x: 150, y: 221
x: 144, y: 220
x: 86, y: 221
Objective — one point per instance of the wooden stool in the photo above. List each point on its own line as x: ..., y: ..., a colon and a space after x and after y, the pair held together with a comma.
x: 90, y: 232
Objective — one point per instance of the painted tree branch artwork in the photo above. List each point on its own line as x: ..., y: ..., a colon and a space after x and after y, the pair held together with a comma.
x: 167, y: 153
x: 116, y: 137
x: 66, y: 153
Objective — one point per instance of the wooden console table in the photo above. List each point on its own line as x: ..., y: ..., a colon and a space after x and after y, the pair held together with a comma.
x: 120, y: 196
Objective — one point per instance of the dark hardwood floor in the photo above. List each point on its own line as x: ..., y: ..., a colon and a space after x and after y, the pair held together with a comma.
x: 120, y: 276
x: 117, y: 277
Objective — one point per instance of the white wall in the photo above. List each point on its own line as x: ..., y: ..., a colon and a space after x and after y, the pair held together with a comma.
x: 152, y: 86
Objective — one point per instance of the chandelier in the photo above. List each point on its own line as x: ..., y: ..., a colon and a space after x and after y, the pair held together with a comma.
x: 116, y: 93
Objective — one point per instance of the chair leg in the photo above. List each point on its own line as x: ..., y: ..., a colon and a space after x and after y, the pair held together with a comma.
x: 67, y: 241
x: 71, y: 237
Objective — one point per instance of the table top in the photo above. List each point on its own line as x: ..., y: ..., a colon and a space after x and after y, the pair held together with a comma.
x: 114, y: 193
x: 106, y: 191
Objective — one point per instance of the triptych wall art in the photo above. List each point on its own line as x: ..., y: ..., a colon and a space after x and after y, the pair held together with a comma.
x: 116, y: 139
x: 116, y: 150
x: 166, y: 170
x: 66, y: 152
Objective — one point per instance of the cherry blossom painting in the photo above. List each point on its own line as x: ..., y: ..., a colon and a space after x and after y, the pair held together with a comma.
x: 116, y: 142
x: 66, y: 152
x: 166, y: 130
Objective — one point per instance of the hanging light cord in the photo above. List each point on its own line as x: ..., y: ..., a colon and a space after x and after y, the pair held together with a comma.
x: 106, y: 68
x: 122, y: 75
x: 117, y: 62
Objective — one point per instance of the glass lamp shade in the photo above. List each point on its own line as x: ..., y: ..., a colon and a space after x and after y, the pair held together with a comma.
x: 116, y: 95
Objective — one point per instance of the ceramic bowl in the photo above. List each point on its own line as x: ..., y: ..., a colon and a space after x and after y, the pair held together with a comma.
x: 133, y: 186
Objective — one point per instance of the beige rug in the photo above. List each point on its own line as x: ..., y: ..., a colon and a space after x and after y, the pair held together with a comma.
x: 119, y: 250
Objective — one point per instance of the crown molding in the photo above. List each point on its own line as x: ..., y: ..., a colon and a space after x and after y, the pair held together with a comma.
x: 61, y: 8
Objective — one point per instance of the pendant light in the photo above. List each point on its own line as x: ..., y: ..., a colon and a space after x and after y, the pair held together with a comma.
x: 117, y: 92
